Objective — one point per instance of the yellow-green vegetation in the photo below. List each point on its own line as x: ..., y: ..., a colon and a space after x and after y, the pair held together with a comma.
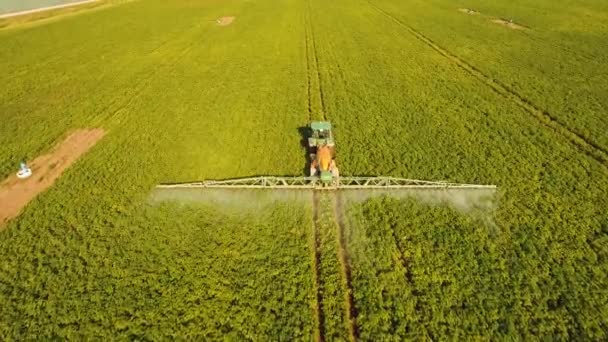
x: 414, y: 88
x: 412, y: 111
x: 334, y: 313
x: 162, y: 272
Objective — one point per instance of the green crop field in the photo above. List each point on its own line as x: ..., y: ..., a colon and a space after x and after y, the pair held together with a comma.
x: 415, y: 89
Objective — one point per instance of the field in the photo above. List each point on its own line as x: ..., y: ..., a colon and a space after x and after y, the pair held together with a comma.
x: 415, y: 89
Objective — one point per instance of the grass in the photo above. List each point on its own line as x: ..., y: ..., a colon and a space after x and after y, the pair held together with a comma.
x: 184, y: 99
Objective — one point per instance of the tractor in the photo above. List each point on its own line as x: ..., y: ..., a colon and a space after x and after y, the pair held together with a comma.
x: 322, y: 153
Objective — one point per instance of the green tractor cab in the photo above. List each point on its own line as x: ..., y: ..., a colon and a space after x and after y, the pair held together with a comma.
x: 321, y: 134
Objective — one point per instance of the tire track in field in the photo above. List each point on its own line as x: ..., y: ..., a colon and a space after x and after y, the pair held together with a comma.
x: 308, y: 69
x: 315, y: 59
x: 405, y: 262
x: 579, y: 141
x: 345, y: 264
x: 311, y: 71
x: 407, y: 268
x: 319, y: 316
x: 343, y: 257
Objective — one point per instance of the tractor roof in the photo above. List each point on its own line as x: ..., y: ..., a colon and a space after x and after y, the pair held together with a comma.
x: 320, y: 125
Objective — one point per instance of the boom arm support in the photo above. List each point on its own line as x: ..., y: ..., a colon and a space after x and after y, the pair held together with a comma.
x: 313, y: 183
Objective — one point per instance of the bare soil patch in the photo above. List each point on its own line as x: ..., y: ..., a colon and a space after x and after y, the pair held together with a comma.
x: 224, y: 21
x: 509, y: 24
x: 468, y: 11
x: 16, y: 193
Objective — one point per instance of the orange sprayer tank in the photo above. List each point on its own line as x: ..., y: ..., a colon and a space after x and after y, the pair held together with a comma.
x: 324, y: 156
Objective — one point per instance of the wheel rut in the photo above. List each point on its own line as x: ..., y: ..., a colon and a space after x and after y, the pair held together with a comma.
x: 319, y: 316
x: 580, y: 142
x: 405, y: 262
x: 345, y: 264
x: 308, y: 69
x: 314, y: 75
x: 336, y: 317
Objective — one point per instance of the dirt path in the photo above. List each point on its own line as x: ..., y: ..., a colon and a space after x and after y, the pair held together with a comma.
x: 16, y: 193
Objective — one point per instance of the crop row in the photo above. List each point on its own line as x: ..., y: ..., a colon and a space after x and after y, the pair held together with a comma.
x: 438, y: 273
x: 316, y: 105
x: 206, y: 275
x: 331, y: 279
x: 185, y: 100
x: 557, y: 64
x: 400, y: 108
x: 181, y: 99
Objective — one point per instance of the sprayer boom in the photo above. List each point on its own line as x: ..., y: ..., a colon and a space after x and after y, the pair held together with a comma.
x: 314, y: 183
